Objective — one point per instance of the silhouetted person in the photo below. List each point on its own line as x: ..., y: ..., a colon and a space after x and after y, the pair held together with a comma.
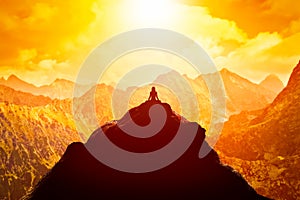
x: 153, y: 95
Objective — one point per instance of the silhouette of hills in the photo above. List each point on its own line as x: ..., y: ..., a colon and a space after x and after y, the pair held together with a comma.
x: 266, y: 141
x: 79, y: 175
x: 273, y: 83
x: 59, y: 89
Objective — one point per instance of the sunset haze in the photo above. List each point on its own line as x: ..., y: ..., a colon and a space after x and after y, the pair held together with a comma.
x: 45, y: 40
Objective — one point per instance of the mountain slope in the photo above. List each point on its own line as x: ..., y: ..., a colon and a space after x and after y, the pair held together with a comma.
x: 268, y: 140
x: 78, y: 175
x: 95, y: 102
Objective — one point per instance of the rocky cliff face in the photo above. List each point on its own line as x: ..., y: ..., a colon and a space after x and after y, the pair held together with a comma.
x: 33, y: 138
x: 266, y: 142
x: 79, y: 175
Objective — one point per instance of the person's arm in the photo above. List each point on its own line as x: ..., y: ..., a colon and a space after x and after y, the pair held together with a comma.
x: 156, y: 96
x: 149, y: 96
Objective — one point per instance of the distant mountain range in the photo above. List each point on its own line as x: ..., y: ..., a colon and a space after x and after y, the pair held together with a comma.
x: 59, y: 89
x: 266, y: 142
x: 242, y: 94
x: 37, y: 124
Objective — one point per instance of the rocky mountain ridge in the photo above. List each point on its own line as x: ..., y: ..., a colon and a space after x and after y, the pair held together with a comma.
x: 33, y: 138
x: 267, y: 140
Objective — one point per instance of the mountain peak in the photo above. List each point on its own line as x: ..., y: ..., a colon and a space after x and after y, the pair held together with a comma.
x: 225, y: 70
x: 14, y: 78
x: 273, y: 83
x: 150, y: 116
x: 61, y: 80
x: 225, y: 73
x: 18, y: 84
x: 272, y: 77
x: 62, y: 83
x: 80, y: 168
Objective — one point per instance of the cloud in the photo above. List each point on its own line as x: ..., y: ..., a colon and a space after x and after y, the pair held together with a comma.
x: 285, y: 8
x: 250, y: 37
x: 267, y: 53
x: 293, y: 28
x: 26, y: 55
x: 254, y: 16
x: 47, y: 64
x: 41, y: 13
x: 44, y: 27
x: 250, y: 52
x: 257, y: 45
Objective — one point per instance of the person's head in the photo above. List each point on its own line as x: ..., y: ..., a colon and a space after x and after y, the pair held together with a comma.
x: 153, y: 88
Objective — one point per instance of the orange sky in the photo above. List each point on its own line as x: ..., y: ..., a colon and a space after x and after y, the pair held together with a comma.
x: 48, y: 39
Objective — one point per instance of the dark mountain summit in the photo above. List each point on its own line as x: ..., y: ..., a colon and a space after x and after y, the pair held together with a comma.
x: 79, y: 175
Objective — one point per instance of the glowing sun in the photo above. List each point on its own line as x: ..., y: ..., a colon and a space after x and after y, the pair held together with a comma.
x: 151, y: 12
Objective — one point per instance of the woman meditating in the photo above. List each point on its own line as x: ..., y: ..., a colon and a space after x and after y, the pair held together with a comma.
x: 153, y: 95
